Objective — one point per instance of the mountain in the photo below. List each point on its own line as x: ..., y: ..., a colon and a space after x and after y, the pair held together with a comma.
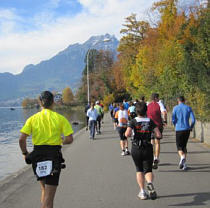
x: 62, y: 70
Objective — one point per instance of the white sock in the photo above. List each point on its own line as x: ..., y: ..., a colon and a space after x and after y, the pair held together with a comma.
x: 142, y: 191
x: 182, y: 157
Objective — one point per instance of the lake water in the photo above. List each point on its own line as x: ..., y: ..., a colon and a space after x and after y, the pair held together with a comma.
x: 11, y: 121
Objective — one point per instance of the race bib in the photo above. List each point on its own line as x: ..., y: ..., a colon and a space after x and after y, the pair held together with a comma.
x: 44, y: 168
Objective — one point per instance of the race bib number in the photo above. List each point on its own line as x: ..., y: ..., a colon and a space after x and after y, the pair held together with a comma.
x: 44, y: 168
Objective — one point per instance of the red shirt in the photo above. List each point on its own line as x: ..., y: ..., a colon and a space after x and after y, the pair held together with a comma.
x: 154, y: 113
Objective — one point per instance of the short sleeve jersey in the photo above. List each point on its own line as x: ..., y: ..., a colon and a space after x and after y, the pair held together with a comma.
x: 154, y: 113
x: 122, y: 116
x: 47, y: 127
x: 99, y: 109
x: 142, y: 127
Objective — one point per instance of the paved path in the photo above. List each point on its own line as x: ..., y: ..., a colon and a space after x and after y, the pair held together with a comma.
x: 97, y: 176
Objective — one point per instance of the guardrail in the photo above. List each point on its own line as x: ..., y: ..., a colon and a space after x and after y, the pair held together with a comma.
x: 201, y: 130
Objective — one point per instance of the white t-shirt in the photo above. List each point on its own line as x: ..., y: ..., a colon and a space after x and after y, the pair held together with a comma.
x: 122, y: 118
x: 92, y: 114
x: 162, y: 107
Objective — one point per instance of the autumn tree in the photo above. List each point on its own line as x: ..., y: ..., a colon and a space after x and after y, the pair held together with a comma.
x: 100, y: 81
x: 67, y: 96
x: 171, y: 58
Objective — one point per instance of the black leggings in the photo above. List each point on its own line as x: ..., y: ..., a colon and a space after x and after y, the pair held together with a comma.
x: 142, y: 157
x: 98, y: 125
x: 182, y: 139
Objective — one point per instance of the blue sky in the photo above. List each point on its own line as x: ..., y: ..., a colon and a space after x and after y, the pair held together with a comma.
x: 31, y: 14
x: 36, y: 30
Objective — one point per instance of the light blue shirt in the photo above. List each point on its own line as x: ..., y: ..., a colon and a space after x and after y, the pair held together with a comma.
x: 92, y: 114
x: 132, y: 109
x: 181, y: 116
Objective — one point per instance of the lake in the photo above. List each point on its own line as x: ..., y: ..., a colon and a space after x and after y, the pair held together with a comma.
x: 11, y: 121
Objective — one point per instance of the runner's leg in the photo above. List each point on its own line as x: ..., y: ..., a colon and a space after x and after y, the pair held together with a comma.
x: 149, y: 177
x: 42, y: 190
x: 49, y: 196
x: 157, y: 148
x: 140, y: 180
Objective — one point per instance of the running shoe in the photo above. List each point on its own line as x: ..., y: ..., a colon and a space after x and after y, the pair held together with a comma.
x: 155, y: 164
x: 142, y: 195
x: 184, y: 167
x: 182, y: 163
x: 123, y: 153
x: 151, y: 191
x: 127, y: 152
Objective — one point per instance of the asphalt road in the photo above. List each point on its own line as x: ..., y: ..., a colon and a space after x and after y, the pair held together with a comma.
x: 97, y: 176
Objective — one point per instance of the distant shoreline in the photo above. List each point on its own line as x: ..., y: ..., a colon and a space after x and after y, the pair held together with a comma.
x: 11, y: 107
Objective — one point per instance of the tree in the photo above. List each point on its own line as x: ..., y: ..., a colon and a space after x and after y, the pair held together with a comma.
x: 100, y: 63
x: 67, y: 96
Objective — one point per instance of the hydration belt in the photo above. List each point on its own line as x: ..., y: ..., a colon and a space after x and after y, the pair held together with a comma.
x: 44, y: 156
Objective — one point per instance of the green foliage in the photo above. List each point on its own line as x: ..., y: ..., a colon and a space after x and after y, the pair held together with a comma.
x: 100, y: 79
x: 171, y: 58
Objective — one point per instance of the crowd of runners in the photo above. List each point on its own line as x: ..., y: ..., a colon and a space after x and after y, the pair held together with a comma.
x: 144, y: 123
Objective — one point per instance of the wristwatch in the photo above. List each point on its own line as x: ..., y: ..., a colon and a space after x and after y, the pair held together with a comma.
x: 25, y: 153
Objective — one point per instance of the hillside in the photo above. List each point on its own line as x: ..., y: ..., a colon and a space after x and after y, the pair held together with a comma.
x: 64, y: 69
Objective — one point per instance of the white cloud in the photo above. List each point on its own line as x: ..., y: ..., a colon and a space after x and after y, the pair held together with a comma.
x: 97, y: 17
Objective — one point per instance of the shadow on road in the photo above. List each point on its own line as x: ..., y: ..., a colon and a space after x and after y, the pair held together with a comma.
x: 198, y: 199
x: 200, y: 169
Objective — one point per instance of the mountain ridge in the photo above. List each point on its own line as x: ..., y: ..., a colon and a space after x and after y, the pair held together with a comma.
x: 62, y: 70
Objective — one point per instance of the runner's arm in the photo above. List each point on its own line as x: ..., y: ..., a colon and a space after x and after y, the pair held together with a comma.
x: 192, y: 116
x: 174, y: 119
x: 164, y: 113
x: 68, y: 139
x: 22, y: 143
x: 128, y: 132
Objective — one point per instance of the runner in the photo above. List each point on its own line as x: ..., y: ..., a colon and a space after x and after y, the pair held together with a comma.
x: 122, y: 117
x: 125, y: 104
x: 46, y: 128
x: 131, y: 111
x: 142, y: 149
x: 92, y: 115
x: 100, y: 113
x: 142, y: 99
x: 116, y: 108
x: 180, y: 118
x: 87, y: 118
x: 111, y: 108
x: 155, y: 111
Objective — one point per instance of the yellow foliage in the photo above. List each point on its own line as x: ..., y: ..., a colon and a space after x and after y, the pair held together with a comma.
x: 67, y: 96
x: 108, y: 99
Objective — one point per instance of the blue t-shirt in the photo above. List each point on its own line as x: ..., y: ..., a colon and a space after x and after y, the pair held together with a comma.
x: 126, y: 105
x: 181, y: 116
x: 111, y: 107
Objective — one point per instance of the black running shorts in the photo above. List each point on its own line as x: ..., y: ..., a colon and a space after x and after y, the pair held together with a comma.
x: 51, y: 180
x: 121, y: 132
x: 182, y: 139
x: 142, y: 157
